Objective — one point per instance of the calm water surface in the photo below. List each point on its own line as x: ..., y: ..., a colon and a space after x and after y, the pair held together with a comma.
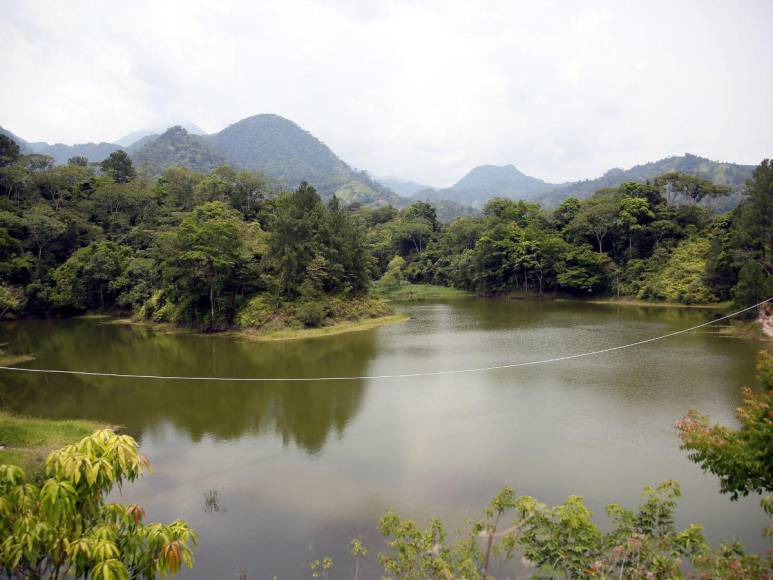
x: 298, y: 469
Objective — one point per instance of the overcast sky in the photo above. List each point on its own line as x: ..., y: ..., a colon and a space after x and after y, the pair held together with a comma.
x: 420, y: 90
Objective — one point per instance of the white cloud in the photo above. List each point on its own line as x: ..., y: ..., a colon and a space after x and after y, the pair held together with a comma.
x: 421, y: 90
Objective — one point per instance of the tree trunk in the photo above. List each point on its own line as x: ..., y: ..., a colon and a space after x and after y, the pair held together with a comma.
x: 211, y: 306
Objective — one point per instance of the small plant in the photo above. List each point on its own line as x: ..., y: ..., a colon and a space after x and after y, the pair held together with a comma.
x: 359, y: 551
x: 321, y: 569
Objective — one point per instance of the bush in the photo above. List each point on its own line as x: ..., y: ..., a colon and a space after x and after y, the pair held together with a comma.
x: 311, y: 314
x: 256, y: 312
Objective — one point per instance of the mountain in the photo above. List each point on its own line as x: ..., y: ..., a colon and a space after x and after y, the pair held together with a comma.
x: 281, y: 149
x: 730, y: 174
x: 284, y: 151
x: 24, y: 147
x: 487, y: 181
x: 135, y: 136
x: 61, y: 152
x: 402, y: 187
x: 178, y: 147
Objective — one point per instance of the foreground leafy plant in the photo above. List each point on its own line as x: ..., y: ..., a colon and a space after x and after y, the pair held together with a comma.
x: 62, y: 527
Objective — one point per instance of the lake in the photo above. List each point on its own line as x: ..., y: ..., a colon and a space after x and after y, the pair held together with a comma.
x: 274, y: 475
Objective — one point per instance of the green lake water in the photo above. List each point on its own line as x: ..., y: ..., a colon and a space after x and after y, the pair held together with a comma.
x: 300, y: 468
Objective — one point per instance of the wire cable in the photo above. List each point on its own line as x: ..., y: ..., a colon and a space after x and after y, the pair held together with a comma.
x: 392, y: 376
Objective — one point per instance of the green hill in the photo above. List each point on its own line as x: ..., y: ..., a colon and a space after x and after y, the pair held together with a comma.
x: 721, y: 173
x: 177, y: 147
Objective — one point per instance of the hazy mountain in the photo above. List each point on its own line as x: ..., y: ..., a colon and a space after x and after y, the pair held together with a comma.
x: 281, y: 149
x: 487, y: 181
x: 61, y: 152
x: 721, y: 173
x: 178, y: 147
x: 402, y: 187
x: 135, y: 136
x: 285, y: 152
x: 23, y: 145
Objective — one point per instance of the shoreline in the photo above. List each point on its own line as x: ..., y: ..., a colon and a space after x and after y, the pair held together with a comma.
x: 638, y: 302
x: 253, y: 335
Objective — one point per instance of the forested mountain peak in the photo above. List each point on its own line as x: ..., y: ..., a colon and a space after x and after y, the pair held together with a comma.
x: 177, y: 147
x: 281, y: 149
x: 135, y: 136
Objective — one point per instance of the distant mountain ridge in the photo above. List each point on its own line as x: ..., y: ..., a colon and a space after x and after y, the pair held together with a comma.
x: 487, y: 181
x: 732, y: 175
x: 287, y: 153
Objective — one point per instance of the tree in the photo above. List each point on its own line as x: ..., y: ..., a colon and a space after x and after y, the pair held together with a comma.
x: 78, y: 160
x: 596, y: 218
x: 584, y: 271
x: 294, y: 238
x: 9, y: 150
x: 43, y: 226
x: 11, y: 300
x: 209, y: 244
x: 394, y: 276
x: 119, y: 167
x: 61, y: 527
x: 91, y: 277
x: 633, y: 213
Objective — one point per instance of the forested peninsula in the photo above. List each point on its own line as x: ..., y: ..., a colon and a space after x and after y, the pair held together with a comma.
x: 234, y: 249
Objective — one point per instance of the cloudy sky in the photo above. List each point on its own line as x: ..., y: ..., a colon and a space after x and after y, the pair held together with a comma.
x: 422, y: 90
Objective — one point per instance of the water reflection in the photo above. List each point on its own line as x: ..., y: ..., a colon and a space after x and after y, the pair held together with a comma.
x: 305, y: 414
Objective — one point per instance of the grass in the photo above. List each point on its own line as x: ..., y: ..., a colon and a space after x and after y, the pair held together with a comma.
x: 420, y: 292
x: 300, y: 333
x: 748, y: 329
x: 26, y: 442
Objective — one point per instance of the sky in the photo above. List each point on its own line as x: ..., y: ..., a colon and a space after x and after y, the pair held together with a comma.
x: 421, y: 90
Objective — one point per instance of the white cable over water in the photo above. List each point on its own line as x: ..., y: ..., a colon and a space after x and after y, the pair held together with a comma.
x: 395, y: 376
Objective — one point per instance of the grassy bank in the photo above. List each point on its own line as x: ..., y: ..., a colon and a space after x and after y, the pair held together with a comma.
x: 420, y: 292
x: 261, y: 319
x: 26, y: 442
x: 299, y: 333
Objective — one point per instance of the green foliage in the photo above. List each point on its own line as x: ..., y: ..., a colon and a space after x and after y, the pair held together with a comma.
x: 92, y: 277
x: 681, y: 278
x: 741, y: 458
x: 119, y: 167
x: 9, y: 150
x: 176, y: 147
x: 62, y: 526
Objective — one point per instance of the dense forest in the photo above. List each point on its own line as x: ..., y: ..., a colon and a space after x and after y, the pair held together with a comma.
x: 231, y: 247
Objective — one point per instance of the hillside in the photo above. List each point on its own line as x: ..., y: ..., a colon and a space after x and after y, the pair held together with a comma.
x: 142, y: 134
x: 61, y: 152
x: 285, y: 152
x: 402, y: 187
x: 24, y: 147
x: 487, y: 181
x: 178, y: 147
x: 729, y: 174
x: 282, y: 150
